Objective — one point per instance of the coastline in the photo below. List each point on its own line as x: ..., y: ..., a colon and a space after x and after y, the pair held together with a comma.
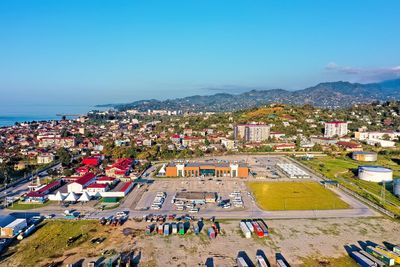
x: 9, y: 115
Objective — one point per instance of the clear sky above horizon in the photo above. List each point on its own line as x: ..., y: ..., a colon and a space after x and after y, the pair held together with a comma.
x: 94, y: 52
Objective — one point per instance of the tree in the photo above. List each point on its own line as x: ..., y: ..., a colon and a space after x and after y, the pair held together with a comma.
x: 64, y: 156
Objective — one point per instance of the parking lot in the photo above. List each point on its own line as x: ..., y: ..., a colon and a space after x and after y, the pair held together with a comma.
x: 224, y: 187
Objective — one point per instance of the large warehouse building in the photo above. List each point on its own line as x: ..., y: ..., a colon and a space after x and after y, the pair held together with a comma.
x: 375, y: 174
x: 196, y: 169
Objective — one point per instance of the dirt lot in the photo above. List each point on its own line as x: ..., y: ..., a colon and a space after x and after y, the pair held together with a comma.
x: 295, y: 239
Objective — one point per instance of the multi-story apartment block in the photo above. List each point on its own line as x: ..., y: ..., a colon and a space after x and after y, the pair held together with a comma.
x: 252, y: 132
x: 335, y: 128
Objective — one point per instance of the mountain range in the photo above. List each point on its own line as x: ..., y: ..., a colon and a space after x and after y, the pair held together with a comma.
x: 327, y: 95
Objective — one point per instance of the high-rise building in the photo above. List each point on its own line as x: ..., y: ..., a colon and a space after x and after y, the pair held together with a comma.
x: 252, y: 132
x: 335, y: 128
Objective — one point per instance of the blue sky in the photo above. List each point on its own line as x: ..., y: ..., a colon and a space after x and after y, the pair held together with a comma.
x: 78, y: 52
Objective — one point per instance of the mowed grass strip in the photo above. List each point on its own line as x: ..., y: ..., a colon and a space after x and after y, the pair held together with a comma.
x: 304, y: 195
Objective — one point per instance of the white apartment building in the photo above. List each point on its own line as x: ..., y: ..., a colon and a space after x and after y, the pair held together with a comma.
x: 335, y: 128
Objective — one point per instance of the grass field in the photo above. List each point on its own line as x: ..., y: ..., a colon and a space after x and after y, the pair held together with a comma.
x: 344, y: 169
x: 50, y: 241
x: 27, y: 206
x: 304, y: 195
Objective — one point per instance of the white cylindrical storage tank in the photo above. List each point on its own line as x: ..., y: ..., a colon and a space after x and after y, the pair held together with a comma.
x: 396, y: 187
x: 364, y: 156
x: 375, y: 174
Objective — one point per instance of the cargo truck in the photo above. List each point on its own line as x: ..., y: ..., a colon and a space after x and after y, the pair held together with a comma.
x: 13, y: 228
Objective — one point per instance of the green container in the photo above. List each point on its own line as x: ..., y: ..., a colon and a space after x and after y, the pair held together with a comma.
x: 111, y: 199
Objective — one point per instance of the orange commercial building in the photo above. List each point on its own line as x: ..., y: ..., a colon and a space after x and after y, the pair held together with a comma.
x: 180, y: 169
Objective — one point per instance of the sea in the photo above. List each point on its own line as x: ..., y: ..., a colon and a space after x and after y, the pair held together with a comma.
x: 10, y: 114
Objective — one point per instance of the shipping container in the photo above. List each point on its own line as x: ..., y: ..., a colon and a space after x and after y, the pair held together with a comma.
x: 361, y: 259
x: 13, y: 228
x: 388, y: 260
x: 281, y: 263
x: 245, y: 230
x: 211, y: 233
x: 250, y: 226
x: 181, y: 229
x: 377, y: 262
x: 261, y: 261
x: 166, y: 229
x: 257, y: 229
x: 241, y: 262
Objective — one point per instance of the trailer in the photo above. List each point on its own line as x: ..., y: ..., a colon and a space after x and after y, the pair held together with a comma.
x: 389, y: 254
x: 241, y: 262
x: 374, y: 252
x: 245, y: 230
x: 250, y: 226
x: 181, y: 229
x: 166, y: 229
x: 263, y: 227
x: 261, y: 261
x: 148, y: 230
x: 27, y: 232
x: 196, y: 229
x: 361, y: 259
x: 211, y: 233
x: 396, y: 249
x: 160, y: 229
x: 174, y: 228
x: 377, y: 262
x: 257, y: 229
x: 281, y: 263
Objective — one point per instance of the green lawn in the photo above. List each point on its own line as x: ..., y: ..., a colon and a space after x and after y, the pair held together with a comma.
x: 344, y: 170
x: 304, y: 195
x: 27, y: 206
